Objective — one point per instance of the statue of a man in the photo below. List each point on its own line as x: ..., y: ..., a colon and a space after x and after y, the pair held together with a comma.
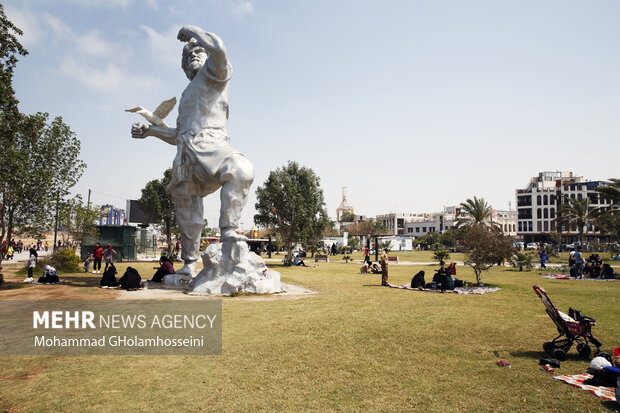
x: 205, y: 161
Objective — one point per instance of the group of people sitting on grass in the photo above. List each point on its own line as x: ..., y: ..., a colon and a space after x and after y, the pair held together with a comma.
x: 592, y: 267
x: 131, y: 279
x: 443, y: 279
x: 50, y: 276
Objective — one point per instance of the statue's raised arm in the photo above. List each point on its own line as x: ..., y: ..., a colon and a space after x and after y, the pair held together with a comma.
x: 216, y: 64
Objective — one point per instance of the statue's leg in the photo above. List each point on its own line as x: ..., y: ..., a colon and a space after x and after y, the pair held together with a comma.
x: 236, y: 176
x: 190, y: 218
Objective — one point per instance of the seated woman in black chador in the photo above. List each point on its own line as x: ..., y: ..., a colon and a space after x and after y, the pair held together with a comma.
x: 165, y: 268
x: 108, y: 278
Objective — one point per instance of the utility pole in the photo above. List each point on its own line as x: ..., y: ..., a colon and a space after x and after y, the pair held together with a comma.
x: 56, y: 223
x: 88, y: 202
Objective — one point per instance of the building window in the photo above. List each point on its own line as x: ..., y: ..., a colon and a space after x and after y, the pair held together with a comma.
x: 545, y: 200
x: 552, y: 199
x: 546, y: 225
x: 539, y: 226
x: 409, y: 230
x: 579, y: 197
x: 539, y: 213
x: 423, y: 229
x: 538, y: 200
x: 417, y: 229
x: 545, y: 213
x: 552, y: 225
x: 520, y: 227
x: 565, y: 198
x: 572, y: 196
x: 552, y: 213
x: 531, y: 226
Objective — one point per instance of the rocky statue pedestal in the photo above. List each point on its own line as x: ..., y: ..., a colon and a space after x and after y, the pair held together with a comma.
x: 229, y: 269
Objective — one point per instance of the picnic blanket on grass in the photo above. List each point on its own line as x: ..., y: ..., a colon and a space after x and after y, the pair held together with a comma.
x: 457, y: 290
x: 605, y: 393
x: 567, y: 277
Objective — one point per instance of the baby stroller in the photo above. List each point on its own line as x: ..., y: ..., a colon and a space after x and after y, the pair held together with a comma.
x: 574, y: 327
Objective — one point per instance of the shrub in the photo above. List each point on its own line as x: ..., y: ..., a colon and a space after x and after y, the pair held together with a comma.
x: 441, y: 255
x: 64, y: 260
x: 521, y: 260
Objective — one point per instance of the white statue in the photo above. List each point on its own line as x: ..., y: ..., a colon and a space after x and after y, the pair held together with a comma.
x: 205, y: 161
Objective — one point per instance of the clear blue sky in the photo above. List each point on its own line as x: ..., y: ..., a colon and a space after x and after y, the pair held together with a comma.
x: 410, y: 104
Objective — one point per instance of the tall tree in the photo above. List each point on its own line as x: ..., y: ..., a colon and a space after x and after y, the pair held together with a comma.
x: 39, y: 158
x: 578, y: 213
x: 42, y: 160
x: 484, y: 248
x: 157, y: 203
x: 77, y: 220
x: 474, y: 212
x: 291, y: 202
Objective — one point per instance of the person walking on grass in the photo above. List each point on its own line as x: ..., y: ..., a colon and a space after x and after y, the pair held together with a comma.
x: 383, y: 260
x: 543, y: 257
x: 109, y: 254
x: 32, y: 263
x: 97, y: 257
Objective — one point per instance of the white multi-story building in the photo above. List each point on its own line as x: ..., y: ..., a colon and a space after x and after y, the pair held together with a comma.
x: 506, y: 221
x: 539, y: 204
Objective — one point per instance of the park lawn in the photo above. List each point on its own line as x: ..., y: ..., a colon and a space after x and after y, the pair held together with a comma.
x: 352, y: 346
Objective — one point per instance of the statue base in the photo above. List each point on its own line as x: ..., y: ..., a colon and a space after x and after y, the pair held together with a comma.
x: 229, y: 269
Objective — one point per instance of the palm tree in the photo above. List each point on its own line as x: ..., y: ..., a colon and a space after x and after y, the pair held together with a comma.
x: 577, y: 212
x: 474, y: 212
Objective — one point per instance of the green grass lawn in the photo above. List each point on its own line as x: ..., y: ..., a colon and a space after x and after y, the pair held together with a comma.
x: 352, y: 346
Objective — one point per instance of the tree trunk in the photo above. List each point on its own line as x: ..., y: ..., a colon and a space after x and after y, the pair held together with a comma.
x: 289, y: 251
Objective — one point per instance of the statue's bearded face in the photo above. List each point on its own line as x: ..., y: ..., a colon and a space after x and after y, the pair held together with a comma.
x: 195, y: 58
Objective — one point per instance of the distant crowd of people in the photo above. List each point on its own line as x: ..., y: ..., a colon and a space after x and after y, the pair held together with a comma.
x: 592, y: 267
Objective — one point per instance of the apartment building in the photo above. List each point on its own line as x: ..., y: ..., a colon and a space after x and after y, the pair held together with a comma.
x: 539, y: 204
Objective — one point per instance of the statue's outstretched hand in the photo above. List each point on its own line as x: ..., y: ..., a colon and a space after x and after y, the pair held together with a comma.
x: 186, y: 33
x: 139, y: 130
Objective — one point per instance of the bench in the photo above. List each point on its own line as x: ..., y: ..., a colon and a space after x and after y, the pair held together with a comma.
x: 318, y: 257
x: 393, y: 259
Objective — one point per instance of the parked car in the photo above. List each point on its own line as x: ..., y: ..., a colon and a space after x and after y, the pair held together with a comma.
x: 520, y: 245
x: 531, y: 246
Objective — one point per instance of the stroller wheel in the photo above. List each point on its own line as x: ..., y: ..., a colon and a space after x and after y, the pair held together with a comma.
x: 584, y: 350
x: 559, y: 354
x: 548, y: 347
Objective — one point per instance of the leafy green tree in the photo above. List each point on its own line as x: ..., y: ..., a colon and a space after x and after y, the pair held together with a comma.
x: 44, y: 164
x: 353, y: 242
x: 474, y: 212
x: 368, y: 227
x: 485, y: 248
x: 347, y: 217
x: 291, y: 202
x: 77, y: 220
x: 609, y: 220
x: 157, y: 203
x: 578, y: 213
x: 453, y: 236
x: 39, y: 157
